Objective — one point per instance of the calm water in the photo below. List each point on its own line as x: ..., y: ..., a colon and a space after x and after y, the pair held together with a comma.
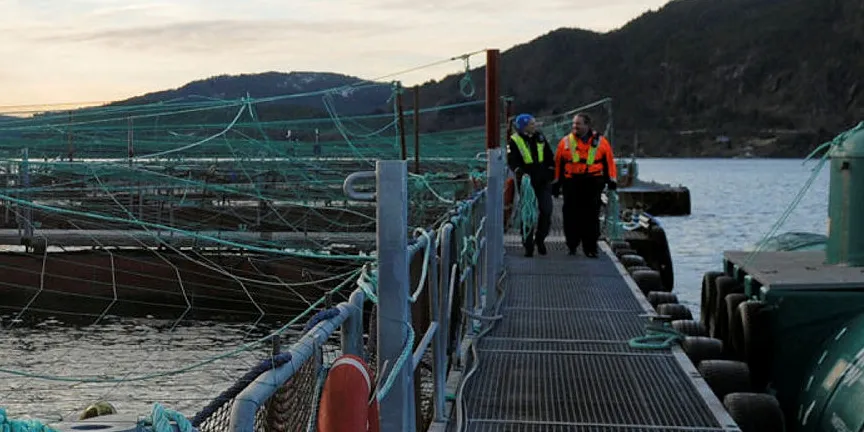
x: 734, y: 203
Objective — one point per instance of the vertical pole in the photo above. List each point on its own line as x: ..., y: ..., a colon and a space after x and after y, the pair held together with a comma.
x: 416, y: 129
x: 508, y: 112
x: 394, y: 313
x: 492, y: 121
x: 28, y: 211
x: 440, y: 280
x: 352, y: 328
x: 494, y: 182
x: 401, y: 118
x: 70, y: 139
x: 130, y: 139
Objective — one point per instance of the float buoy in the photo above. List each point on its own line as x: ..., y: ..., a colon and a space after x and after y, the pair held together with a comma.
x: 348, y: 401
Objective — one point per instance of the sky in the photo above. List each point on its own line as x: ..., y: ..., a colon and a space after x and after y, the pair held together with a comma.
x: 83, y: 51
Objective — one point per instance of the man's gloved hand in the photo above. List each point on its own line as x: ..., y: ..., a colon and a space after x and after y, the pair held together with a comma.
x: 612, y: 185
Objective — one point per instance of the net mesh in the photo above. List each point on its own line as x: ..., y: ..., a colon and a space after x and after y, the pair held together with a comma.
x: 201, y: 208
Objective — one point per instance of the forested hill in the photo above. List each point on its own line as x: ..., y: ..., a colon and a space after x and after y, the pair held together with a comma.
x: 776, y: 76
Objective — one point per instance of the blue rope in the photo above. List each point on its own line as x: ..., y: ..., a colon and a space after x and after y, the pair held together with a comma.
x: 323, y: 315
x: 613, y: 217
x: 400, y: 363
x: 657, y: 337
x: 528, y: 209
x: 237, y: 387
x: 29, y: 425
x: 160, y: 419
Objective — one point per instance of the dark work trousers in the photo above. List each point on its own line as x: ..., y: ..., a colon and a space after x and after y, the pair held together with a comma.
x: 581, y: 211
x: 544, y: 220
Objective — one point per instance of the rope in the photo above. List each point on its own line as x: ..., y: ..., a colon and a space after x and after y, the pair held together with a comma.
x: 657, y: 337
x: 613, y: 217
x: 323, y: 315
x: 529, y: 212
x: 400, y: 363
x: 160, y: 419
x: 239, y: 386
x: 29, y: 425
x: 368, y: 282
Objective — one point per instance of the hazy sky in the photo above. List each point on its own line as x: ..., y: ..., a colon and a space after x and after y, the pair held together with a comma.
x: 57, y: 51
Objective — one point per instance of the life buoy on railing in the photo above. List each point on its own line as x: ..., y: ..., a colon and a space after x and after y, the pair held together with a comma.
x: 345, y: 399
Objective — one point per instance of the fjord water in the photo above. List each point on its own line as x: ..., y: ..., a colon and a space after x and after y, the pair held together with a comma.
x: 734, y: 204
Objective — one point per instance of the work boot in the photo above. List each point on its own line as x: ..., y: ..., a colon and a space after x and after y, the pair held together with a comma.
x: 592, y: 254
x: 572, y: 251
x: 541, y: 247
x: 529, y: 252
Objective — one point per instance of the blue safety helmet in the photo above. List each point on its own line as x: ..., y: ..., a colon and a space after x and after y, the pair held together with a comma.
x: 521, y: 121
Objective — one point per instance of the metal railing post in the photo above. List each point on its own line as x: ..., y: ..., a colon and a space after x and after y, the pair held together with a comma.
x: 442, y: 337
x: 494, y: 228
x: 352, y: 328
x: 394, y: 313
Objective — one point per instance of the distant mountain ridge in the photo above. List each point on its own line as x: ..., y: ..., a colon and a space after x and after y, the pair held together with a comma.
x: 231, y: 87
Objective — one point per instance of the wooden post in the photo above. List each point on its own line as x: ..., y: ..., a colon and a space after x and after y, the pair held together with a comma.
x: 70, y: 139
x: 417, y: 129
x: 401, y: 119
x: 508, y: 112
x: 492, y: 120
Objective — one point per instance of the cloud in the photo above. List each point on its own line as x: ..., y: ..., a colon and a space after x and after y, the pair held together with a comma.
x: 74, y: 50
x: 216, y: 35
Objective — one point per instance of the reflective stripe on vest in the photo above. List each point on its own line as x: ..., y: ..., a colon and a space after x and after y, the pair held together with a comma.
x: 592, y: 152
x: 523, y: 148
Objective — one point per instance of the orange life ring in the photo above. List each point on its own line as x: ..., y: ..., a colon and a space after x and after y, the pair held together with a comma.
x: 345, y: 399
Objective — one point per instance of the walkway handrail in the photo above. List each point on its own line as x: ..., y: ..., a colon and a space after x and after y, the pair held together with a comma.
x: 456, y: 269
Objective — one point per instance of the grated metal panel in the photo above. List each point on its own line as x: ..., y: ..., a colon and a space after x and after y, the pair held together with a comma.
x: 569, y: 325
x: 560, y: 264
x: 489, y: 343
x: 494, y: 426
x: 574, y: 292
x: 585, y: 389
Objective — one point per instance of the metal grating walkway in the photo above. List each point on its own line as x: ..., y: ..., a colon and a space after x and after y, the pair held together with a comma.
x: 559, y: 359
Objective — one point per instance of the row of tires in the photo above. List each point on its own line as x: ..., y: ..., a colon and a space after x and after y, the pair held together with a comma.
x: 722, y: 344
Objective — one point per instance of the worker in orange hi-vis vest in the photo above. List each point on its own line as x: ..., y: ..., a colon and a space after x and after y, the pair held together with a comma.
x: 529, y: 153
x: 584, y: 165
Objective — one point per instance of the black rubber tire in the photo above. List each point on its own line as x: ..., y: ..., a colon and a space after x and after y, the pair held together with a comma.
x: 755, y: 412
x: 699, y: 348
x: 756, y: 340
x: 619, y: 244
x: 725, y: 285
x: 656, y: 298
x: 675, y: 311
x: 631, y: 260
x: 648, y: 280
x: 621, y: 252
x: 690, y: 327
x: 709, y: 292
x: 636, y: 268
x: 725, y: 376
x: 735, y: 337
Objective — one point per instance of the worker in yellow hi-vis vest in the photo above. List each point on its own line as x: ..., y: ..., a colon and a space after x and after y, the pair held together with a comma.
x: 584, y: 165
x: 529, y: 153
